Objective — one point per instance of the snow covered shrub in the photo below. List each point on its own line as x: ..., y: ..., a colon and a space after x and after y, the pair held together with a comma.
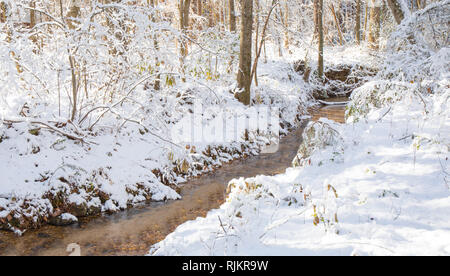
x: 219, y: 53
x: 84, y: 66
x: 417, y: 63
x: 325, y: 210
x: 317, y: 136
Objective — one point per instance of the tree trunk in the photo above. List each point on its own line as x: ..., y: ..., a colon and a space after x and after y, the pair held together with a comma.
x: 287, y: 40
x: 316, y: 19
x: 259, y: 45
x: 254, y: 73
x: 320, y: 33
x: 184, y: 7
x: 358, y: 22
x: 184, y: 25
x: 338, y: 26
x: 232, y: 16
x: 3, y: 11
x: 32, y: 14
x: 245, y: 57
x: 74, y: 12
x: 157, y: 86
x: 33, y: 22
x: 396, y: 9
x: 374, y: 24
x: 199, y: 7
x: 366, y: 16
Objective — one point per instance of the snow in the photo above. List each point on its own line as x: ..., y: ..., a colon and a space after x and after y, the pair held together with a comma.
x: 68, y: 217
x: 392, y: 199
x: 118, y: 164
x: 377, y: 185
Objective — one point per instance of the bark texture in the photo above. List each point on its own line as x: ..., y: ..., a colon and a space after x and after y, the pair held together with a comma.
x: 232, y: 10
x: 244, y: 78
x: 320, y: 34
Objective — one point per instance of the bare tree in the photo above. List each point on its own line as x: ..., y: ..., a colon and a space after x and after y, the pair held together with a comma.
x: 244, y: 78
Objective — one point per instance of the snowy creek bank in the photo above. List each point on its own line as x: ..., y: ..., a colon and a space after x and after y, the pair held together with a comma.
x: 48, y: 172
x: 340, y: 79
x: 133, y: 231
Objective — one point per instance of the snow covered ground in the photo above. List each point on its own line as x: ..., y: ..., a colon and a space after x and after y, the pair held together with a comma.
x: 380, y: 191
x: 377, y: 185
x: 127, y: 155
x: 130, y: 156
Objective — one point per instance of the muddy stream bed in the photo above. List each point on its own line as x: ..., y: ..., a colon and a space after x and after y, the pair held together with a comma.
x: 133, y: 231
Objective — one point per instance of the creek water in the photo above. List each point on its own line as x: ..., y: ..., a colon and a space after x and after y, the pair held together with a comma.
x: 132, y: 232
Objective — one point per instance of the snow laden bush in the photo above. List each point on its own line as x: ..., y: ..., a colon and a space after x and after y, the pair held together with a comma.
x: 254, y: 212
x: 318, y: 136
x: 88, y: 68
x: 219, y: 55
x: 416, y: 67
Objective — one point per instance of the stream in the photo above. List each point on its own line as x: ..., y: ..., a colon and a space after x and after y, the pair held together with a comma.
x: 134, y: 231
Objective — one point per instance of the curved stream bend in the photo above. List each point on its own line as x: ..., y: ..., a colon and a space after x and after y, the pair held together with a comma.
x: 132, y: 232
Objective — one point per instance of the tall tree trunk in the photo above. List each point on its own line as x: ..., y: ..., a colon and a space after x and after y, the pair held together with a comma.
x: 211, y: 20
x: 32, y: 14
x: 233, y: 28
x: 33, y: 21
x: 73, y: 13
x: 254, y: 73
x: 184, y: 8
x: 374, y: 24
x: 338, y: 25
x: 316, y: 18
x: 245, y: 57
x: 396, y: 10
x: 358, y: 22
x: 287, y: 40
x: 232, y: 10
x: 199, y: 7
x: 259, y: 45
x: 366, y: 19
x: 320, y: 33
x: 157, y: 86
x: 3, y: 11
x: 184, y: 24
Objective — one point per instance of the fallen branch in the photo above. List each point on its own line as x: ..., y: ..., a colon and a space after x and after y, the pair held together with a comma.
x: 70, y: 136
